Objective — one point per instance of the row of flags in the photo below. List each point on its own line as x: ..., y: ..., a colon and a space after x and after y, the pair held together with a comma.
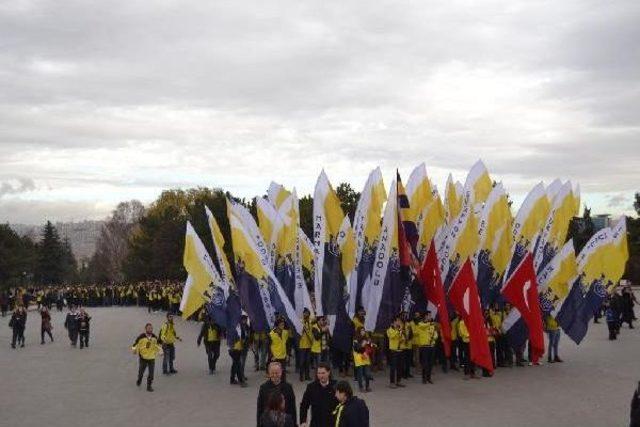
x: 408, y: 249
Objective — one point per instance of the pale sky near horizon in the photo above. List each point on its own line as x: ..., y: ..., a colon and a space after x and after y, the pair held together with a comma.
x: 117, y: 100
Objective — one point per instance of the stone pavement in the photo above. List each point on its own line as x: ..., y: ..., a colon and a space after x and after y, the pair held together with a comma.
x: 57, y: 385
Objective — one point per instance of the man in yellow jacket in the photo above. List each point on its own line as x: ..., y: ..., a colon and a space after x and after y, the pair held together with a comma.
x: 168, y: 337
x: 426, y: 334
x: 396, y: 337
x: 304, y: 346
x: 147, y: 348
x: 278, y: 338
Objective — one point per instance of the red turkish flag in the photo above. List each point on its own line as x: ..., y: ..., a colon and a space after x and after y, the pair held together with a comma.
x: 463, y: 294
x: 521, y: 290
x: 433, y: 291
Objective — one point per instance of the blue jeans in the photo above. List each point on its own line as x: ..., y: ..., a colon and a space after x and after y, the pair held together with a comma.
x: 554, y: 339
x: 168, y: 356
x: 363, y: 371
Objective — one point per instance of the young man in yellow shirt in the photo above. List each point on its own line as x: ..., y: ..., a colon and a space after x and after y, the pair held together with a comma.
x: 168, y: 337
x: 147, y: 348
x: 304, y: 346
x: 278, y: 338
x: 426, y: 335
x: 395, y: 334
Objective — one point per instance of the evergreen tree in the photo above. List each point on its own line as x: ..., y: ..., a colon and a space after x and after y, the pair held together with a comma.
x: 50, y: 268
x: 17, y: 257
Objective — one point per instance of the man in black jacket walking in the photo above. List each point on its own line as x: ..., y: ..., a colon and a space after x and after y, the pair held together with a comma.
x: 275, y: 383
x: 320, y: 395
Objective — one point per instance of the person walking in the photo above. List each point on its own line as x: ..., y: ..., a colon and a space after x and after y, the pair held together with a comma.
x: 237, y: 367
x: 17, y: 323
x: 147, y: 348
x: 83, y: 328
x: 351, y: 410
x: 210, y: 333
x: 276, y: 384
x: 320, y: 396
x: 71, y: 325
x: 168, y: 337
x: 45, y: 325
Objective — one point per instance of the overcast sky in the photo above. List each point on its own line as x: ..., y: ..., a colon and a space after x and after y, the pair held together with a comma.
x: 114, y: 100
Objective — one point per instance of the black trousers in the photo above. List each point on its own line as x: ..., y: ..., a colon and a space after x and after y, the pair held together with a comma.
x: 18, y: 336
x: 213, y: 353
x: 84, y: 338
x: 469, y: 367
x: 73, y: 336
x: 45, y: 331
x: 407, y: 359
x: 612, y: 330
x: 395, y: 366
x: 305, y: 359
x: 236, y: 366
x: 456, y: 357
x: 148, y: 365
x: 426, y: 361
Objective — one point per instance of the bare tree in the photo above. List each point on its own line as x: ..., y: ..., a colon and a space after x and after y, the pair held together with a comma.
x: 112, y: 245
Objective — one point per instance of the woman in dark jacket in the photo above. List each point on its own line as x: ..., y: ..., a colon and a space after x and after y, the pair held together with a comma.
x: 17, y: 323
x: 351, y: 411
x: 45, y: 326
x: 275, y: 415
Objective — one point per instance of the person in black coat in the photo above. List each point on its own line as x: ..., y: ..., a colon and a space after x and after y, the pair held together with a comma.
x: 320, y: 395
x: 17, y: 324
x: 276, y: 384
x: 635, y: 408
x: 72, y: 325
x: 351, y: 411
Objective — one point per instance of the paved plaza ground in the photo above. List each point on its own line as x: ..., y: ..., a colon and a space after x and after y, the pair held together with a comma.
x: 57, y: 385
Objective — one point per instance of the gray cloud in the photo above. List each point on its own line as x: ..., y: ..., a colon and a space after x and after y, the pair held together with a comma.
x: 117, y: 97
x: 38, y: 211
x: 24, y: 185
x: 617, y: 201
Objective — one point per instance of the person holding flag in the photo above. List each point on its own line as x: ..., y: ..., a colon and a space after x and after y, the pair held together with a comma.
x: 210, y: 333
x: 396, y: 337
x: 304, y: 346
x: 472, y: 333
x: 426, y: 335
x: 278, y: 338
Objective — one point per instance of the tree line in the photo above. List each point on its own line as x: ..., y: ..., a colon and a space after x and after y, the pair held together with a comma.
x: 140, y: 243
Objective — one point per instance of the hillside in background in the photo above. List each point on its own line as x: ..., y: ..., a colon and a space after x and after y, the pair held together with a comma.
x: 82, y: 235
